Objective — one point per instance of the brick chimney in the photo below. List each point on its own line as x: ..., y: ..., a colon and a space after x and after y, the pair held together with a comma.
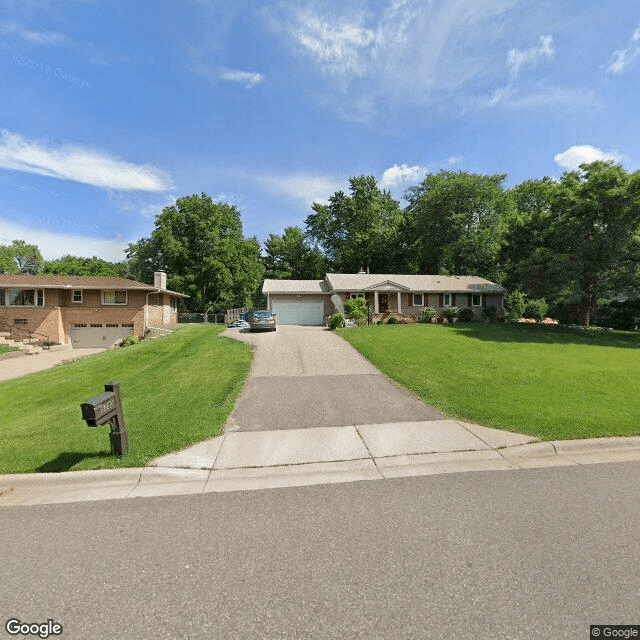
x: 159, y: 279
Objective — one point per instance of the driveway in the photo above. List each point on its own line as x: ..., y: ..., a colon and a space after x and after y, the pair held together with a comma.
x: 305, y: 377
x: 22, y: 365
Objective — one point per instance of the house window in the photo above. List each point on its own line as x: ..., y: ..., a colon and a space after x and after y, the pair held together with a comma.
x: 111, y: 325
x: 156, y: 299
x: 174, y: 303
x: 356, y: 295
x: 128, y: 325
x: 20, y: 321
x: 447, y: 299
x: 77, y: 295
x: 3, y: 298
x: 114, y: 297
x: 476, y: 299
x: 418, y: 299
x: 26, y: 297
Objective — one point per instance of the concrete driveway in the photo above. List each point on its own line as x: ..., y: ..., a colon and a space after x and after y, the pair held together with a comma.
x: 306, y: 377
x: 21, y: 366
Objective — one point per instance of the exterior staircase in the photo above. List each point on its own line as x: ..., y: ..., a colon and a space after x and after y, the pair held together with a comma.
x: 28, y: 346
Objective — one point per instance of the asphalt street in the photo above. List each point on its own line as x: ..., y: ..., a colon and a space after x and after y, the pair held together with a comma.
x: 533, y: 553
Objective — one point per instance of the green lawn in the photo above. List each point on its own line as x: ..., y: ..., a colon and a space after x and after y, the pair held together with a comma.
x: 5, y: 349
x: 175, y: 391
x: 545, y: 381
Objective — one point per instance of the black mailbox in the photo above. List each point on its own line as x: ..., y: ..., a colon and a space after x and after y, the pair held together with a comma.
x: 104, y: 408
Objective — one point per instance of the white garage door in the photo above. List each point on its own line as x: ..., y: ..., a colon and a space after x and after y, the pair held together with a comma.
x: 298, y: 312
x: 91, y: 336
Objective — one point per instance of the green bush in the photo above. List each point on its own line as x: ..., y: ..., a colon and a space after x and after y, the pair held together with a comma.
x: 393, y: 320
x: 129, y: 340
x: 427, y: 315
x: 466, y: 314
x: 618, y: 315
x: 450, y: 313
x: 337, y: 321
x: 379, y: 322
x: 564, y: 312
x: 489, y: 312
x: 357, y: 308
x: 515, y: 303
x: 536, y: 309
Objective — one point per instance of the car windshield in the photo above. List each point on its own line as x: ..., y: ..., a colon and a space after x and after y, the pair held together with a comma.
x: 262, y: 314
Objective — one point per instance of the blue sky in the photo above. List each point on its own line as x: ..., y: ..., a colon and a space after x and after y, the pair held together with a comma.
x: 110, y: 109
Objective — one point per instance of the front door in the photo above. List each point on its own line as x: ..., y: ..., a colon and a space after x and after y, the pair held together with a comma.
x: 383, y: 302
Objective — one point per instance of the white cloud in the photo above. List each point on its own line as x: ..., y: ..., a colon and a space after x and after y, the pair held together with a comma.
x: 305, y: 187
x: 79, y: 164
x: 410, y: 52
x: 518, y: 58
x: 622, y: 59
x: 246, y: 78
x: 573, y: 157
x: 54, y: 245
x: 150, y: 211
x: 398, y: 176
x: 32, y: 36
x: 340, y: 45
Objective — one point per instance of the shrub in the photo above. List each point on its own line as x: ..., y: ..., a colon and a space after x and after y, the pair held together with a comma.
x: 427, y: 315
x: 489, y: 312
x: 357, y: 308
x: 450, y: 313
x: 564, y: 312
x: 466, y: 314
x: 536, y: 309
x: 129, y: 340
x: 337, y: 320
x: 380, y: 322
x: 514, y: 303
x: 618, y: 315
x: 393, y: 320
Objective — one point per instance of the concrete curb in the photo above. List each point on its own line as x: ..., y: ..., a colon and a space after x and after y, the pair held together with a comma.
x: 301, y: 468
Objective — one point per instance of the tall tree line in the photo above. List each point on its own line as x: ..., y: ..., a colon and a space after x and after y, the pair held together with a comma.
x: 573, y: 241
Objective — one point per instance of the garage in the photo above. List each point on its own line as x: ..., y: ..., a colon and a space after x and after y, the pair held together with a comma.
x: 98, y: 335
x: 298, y: 312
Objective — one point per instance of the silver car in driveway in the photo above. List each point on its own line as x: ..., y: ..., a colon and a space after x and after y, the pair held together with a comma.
x: 262, y: 319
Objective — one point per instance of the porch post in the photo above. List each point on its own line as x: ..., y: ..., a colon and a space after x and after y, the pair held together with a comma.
x: 375, y: 302
x: 399, y: 302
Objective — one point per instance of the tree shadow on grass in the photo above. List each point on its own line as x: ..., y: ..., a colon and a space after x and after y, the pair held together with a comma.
x: 545, y: 334
x: 68, y: 459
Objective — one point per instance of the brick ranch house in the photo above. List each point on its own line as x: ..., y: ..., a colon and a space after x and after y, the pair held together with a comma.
x: 404, y: 296
x: 84, y: 311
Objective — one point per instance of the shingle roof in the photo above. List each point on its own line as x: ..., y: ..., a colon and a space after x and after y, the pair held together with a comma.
x: 294, y: 286
x: 78, y: 282
x: 430, y: 283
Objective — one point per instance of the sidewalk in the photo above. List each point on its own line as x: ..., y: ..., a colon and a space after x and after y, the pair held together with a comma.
x: 240, y: 461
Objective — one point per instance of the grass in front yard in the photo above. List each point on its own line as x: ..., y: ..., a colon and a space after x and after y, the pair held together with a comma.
x: 176, y: 391
x: 546, y: 381
x: 6, y: 349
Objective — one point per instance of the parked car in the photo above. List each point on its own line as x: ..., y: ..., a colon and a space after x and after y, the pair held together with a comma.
x: 239, y: 324
x: 262, y: 319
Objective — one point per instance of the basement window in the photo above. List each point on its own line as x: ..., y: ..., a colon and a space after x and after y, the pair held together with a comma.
x: 20, y: 321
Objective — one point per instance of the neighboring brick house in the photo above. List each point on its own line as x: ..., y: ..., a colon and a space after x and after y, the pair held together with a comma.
x: 310, y: 301
x: 84, y: 311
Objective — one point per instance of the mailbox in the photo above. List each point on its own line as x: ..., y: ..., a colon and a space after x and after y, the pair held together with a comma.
x: 104, y: 408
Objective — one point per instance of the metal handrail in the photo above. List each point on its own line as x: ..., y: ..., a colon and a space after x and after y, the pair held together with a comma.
x: 14, y: 327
